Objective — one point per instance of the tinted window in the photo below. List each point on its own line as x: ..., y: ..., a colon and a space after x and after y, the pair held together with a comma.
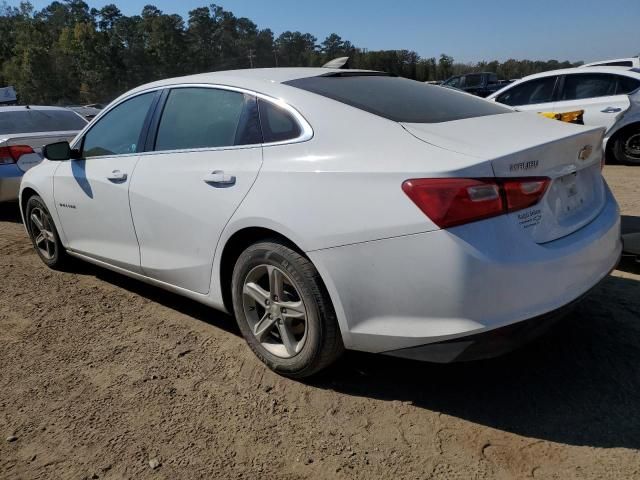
x: 119, y: 130
x: 473, y: 80
x: 623, y: 63
x: 206, y: 118
x: 589, y: 85
x: 627, y: 85
x: 399, y: 99
x: 32, y: 121
x: 535, y: 91
x: 277, y: 124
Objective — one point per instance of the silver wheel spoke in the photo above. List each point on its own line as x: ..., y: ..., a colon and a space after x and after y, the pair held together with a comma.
x: 276, y: 283
x: 287, y: 338
x: 256, y: 292
x: 37, y: 222
x: 293, y: 310
x: 263, y: 327
x: 277, y: 307
x: 39, y: 238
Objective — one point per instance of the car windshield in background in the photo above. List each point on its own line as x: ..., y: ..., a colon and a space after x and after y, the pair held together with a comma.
x: 33, y: 121
x: 398, y: 99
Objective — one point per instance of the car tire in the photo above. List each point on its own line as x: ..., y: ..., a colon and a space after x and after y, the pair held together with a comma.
x: 626, y: 148
x: 44, y: 235
x: 283, y: 310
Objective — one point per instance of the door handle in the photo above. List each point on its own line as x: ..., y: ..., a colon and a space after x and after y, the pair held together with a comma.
x: 117, y: 176
x: 218, y: 178
x: 611, y: 110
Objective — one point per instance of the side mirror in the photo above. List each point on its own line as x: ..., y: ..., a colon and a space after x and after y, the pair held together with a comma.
x: 60, y: 151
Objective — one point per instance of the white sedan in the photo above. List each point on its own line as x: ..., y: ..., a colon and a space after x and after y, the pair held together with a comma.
x: 604, y: 93
x: 330, y: 209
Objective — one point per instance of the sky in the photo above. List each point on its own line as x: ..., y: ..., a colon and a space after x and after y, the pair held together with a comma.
x: 468, y: 30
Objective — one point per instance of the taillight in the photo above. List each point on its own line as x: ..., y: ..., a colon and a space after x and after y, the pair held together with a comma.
x: 522, y: 193
x: 455, y: 201
x: 12, y: 153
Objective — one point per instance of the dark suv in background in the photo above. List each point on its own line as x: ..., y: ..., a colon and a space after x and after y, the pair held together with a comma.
x: 481, y: 84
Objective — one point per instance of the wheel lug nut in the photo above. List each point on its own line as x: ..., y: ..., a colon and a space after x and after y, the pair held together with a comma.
x: 266, y: 302
x: 275, y: 298
x: 284, y: 310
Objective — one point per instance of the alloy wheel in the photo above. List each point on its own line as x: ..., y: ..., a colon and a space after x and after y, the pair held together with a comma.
x: 632, y: 146
x: 42, y: 232
x: 275, y: 310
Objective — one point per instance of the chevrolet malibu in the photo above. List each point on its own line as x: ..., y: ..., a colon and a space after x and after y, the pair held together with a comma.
x: 330, y: 209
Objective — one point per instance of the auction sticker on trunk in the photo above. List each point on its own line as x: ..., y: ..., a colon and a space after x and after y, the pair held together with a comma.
x: 530, y: 218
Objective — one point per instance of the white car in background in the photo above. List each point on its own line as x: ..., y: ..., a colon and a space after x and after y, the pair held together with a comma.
x: 24, y: 130
x: 604, y: 93
x: 330, y: 208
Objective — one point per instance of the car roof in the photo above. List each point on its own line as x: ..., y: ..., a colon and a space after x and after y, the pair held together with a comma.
x: 262, y: 80
x: 565, y: 71
x: 626, y: 71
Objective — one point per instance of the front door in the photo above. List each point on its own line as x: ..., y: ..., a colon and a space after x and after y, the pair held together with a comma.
x: 92, y: 193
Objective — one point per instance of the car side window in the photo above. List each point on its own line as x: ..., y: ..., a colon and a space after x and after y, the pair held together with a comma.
x: 539, y: 90
x: 277, y: 124
x: 118, y: 132
x: 588, y: 85
x: 627, y: 85
x: 474, y: 80
x: 196, y: 117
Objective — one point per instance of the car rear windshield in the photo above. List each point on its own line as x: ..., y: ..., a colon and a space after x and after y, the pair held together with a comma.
x: 398, y: 99
x: 33, y: 121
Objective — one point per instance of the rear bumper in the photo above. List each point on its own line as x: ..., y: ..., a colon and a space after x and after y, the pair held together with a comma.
x: 487, y: 344
x: 10, y: 178
x: 434, y: 287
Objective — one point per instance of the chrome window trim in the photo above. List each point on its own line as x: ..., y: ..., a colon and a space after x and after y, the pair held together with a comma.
x: 306, y: 131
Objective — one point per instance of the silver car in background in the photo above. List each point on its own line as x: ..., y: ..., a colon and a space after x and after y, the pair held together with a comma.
x: 23, y: 132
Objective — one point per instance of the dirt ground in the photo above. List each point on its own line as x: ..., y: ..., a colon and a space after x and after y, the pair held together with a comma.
x: 100, y: 374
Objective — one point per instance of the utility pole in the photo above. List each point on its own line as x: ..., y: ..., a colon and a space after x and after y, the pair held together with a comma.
x: 251, y: 55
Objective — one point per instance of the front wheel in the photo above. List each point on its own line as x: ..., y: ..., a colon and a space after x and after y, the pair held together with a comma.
x: 627, y: 147
x: 43, y: 234
x: 284, y: 311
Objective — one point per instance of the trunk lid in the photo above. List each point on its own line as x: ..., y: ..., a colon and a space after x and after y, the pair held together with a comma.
x: 526, y: 145
x: 36, y: 141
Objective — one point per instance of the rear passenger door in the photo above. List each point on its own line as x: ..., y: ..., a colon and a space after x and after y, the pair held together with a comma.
x: 203, y: 154
x: 603, y: 97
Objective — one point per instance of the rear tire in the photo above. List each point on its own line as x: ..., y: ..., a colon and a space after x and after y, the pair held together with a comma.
x: 44, y: 235
x: 626, y: 148
x: 283, y: 310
